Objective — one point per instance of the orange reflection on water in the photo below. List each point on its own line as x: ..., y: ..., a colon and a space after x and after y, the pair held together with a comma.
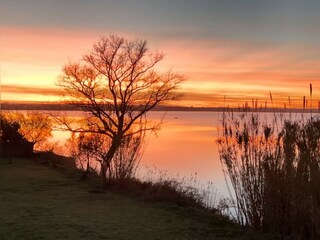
x: 185, y: 145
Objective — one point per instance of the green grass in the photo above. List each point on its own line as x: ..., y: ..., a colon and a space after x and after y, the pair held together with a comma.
x: 39, y: 202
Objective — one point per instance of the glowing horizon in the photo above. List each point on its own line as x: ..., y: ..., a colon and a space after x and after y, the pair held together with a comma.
x: 223, y: 66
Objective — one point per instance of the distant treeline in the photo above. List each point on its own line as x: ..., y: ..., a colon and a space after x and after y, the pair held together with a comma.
x: 78, y: 107
x: 39, y: 106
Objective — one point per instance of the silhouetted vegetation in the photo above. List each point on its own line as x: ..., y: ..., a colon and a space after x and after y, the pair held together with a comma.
x: 34, y: 126
x: 10, y: 130
x: 117, y: 84
x: 12, y: 142
x: 89, y: 150
x: 274, y: 169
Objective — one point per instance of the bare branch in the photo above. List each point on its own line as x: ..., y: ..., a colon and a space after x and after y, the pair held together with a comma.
x: 116, y: 82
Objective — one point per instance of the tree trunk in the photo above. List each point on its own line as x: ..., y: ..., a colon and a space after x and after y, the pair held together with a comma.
x: 104, y: 175
x: 115, y: 144
x: 85, y: 174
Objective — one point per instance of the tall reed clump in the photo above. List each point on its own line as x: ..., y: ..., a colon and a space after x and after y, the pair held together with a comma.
x: 274, y: 168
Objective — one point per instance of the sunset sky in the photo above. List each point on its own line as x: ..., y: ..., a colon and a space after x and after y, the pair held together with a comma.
x: 240, y: 49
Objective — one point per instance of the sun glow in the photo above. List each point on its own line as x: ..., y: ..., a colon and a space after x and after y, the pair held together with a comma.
x: 216, y: 72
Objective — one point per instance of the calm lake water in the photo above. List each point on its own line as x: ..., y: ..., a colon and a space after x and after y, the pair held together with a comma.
x: 185, y: 146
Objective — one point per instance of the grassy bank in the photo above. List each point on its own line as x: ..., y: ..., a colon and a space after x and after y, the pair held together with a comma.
x: 40, y: 202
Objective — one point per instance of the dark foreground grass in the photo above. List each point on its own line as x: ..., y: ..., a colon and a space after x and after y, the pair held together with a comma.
x: 39, y: 202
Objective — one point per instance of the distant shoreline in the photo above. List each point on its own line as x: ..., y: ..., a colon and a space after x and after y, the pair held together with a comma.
x: 68, y: 107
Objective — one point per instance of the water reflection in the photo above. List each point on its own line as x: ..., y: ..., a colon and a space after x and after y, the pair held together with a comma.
x: 185, y: 145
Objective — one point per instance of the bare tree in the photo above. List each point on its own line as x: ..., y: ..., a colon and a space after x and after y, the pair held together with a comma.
x: 89, y: 149
x: 85, y: 149
x: 117, y: 84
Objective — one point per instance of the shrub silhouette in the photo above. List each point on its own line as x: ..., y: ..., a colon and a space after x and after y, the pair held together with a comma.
x: 10, y: 131
x: 274, y: 169
x: 12, y: 142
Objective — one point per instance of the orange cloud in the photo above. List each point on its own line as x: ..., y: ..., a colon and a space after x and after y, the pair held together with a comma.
x: 31, y: 90
x: 45, y: 46
x: 214, y: 68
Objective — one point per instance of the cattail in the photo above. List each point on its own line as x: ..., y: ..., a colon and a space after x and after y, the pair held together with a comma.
x: 304, y: 102
x: 311, y: 97
x: 270, y: 97
x: 289, y: 101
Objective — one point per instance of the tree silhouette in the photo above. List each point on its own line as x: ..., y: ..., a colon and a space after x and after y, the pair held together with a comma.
x: 9, y: 131
x: 12, y: 142
x: 35, y: 127
x: 117, y: 84
x: 32, y: 126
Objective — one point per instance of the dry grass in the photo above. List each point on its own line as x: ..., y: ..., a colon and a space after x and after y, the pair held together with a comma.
x: 274, y: 169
